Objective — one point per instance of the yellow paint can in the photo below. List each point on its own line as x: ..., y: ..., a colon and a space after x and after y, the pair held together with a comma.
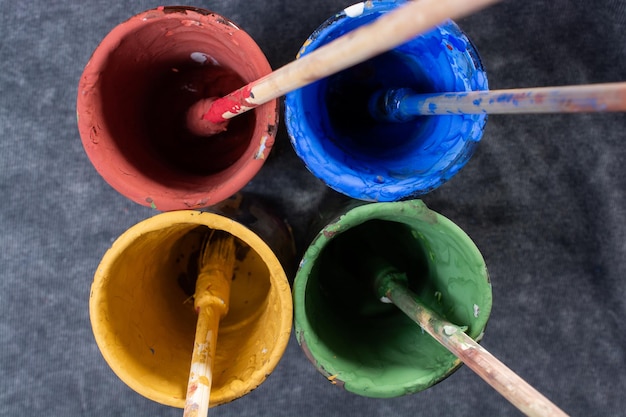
x: 144, y: 321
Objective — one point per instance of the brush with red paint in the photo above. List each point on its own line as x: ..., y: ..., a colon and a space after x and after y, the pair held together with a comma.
x: 210, y: 116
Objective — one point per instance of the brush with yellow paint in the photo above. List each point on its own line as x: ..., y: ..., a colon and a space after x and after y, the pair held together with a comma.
x: 215, y: 271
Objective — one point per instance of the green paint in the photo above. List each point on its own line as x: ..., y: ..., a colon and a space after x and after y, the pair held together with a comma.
x: 372, y: 347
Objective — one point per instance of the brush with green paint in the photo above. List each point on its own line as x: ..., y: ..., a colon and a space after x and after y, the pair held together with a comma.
x: 427, y: 270
x: 392, y: 286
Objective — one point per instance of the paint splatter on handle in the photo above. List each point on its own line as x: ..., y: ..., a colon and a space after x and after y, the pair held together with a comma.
x: 510, y: 385
x: 404, y: 104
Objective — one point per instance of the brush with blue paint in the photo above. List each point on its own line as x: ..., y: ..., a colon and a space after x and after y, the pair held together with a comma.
x: 210, y: 116
x: 402, y: 104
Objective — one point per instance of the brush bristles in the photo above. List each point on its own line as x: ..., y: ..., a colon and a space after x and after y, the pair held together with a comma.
x: 216, y: 266
x: 218, y: 249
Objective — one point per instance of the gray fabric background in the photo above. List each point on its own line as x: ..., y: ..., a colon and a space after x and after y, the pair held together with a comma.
x: 544, y: 199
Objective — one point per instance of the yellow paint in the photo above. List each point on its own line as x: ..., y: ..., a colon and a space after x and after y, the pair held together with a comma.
x: 145, y: 325
x: 216, y: 264
x: 303, y: 48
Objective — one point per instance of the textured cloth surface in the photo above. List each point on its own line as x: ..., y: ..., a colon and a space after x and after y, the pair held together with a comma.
x: 544, y: 199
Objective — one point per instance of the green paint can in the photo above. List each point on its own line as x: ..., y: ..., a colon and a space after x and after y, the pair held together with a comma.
x: 370, y: 347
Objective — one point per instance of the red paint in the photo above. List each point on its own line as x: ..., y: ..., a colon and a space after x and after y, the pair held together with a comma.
x: 192, y: 388
x: 199, y: 125
x: 133, y: 99
x: 520, y: 98
x: 328, y: 234
x: 169, y: 107
x: 232, y: 103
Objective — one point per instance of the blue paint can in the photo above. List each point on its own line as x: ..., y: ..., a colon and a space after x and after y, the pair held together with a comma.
x: 333, y: 132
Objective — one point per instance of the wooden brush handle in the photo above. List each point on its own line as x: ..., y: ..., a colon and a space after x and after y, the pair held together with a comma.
x: 211, y: 300
x: 385, y: 33
x: 523, y: 396
x: 404, y: 104
x: 200, y: 373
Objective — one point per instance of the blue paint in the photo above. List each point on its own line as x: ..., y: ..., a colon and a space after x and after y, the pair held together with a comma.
x: 332, y: 132
x: 458, y: 43
x: 432, y: 107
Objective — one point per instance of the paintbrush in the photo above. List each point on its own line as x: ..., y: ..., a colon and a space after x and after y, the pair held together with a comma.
x: 210, y: 116
x: 403, y: 104
x: 391, y: 286
x: 211, y: 299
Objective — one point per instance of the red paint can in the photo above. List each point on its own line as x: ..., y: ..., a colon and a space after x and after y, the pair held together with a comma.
x: 134, y: 94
